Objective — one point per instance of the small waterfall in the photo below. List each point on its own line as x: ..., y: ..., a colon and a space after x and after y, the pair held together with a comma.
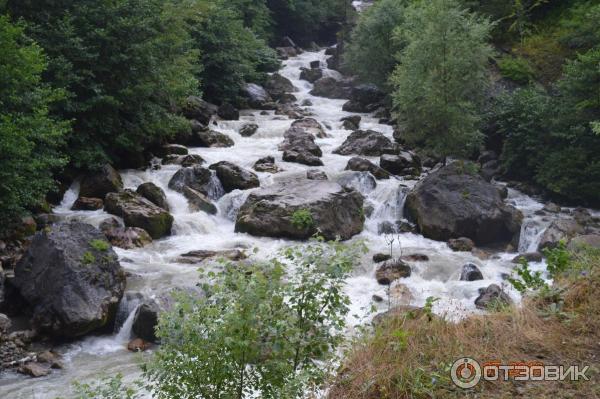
x: 124, y: 334
x: 389, y: 204
x: 214, y: 187
x: 231, y: 203
x: 363, y: 182
x: 531, y: 233
x: 127, y: 307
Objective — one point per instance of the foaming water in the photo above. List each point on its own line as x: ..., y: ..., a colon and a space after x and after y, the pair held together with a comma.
x: 154, y: 270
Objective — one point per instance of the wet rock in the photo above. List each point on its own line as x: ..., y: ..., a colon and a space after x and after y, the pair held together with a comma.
x: 99, y: 183
x: 490, y: 296
x: 286, y: 52
x: 171, y: 149
x: 315, y: 64
x: 154, y: 194
x: 377, y: 298
x: 379, y: 257
x: 266, y: 164
x: 451, y: 203
x: 210, y: 138
x: 490, y: 169
x: 415, y: 258
x: 582, y: 216
x: 228, y: 112
x: 258, y: 97
x: 405, y: 163
x: 128, y: 237
x: 185, y: 160
x: 364, y: 165
x: 364, y: 98
x: 392, y: 270
x: 44, y: 220
x: 462, y: 244
x: 196, y: 108
x: 233, y: 177
x: 551, y: 207
x: 51, y: 359
x: 315, y: 174
x: 586, y: 240
x: 87, y: 204
x: 292, y: 111
x: 200, y: 256
x: 248, y: 129
x: 363, y: 182
x: 138, y: 345
x: 560, y: 230
x: 333, y: 210
x: 303, y: 158
x: 198, y: 201
x: 34, y: 369
x: 330, y: 88
x: 277, y: 85
x: 307, y: 103
x: 470, y: 272
x: 311, y: 75
x: 145, y: 321
x: 311, y: 126
x: 365, y: 142
x: 72, y: 283
x: 195, y: 177
x: 299, y: 146
x: 351, y: 122
x: 137, y: 211
x: 529, y: 257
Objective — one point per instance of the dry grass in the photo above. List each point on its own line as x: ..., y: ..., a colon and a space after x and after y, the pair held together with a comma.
x: 409, y: 356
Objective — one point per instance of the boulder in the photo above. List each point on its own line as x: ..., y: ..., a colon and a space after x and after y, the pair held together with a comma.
x: 364, y: 98
x: 228, y: 112
x: 415, y: 258
x: 101, y: 182
x: 364, y: 165
x: 248, y: 129
x: 195, y: 177
x: 560, y: 230
x: 138, y: 345
x: 363, y: 182
x: 400, y: 226
x: 470, y: 272
x: 87, y: 204
x: 303, y: 157
x: 315, y: 64
x: 127, y: 237
x: 392, y: 270
x: 51, y: 359
x: 287, y: 98
x: 462, y: 244
x: 196, y: 108
x: 586, y: 240
x: 200, y: 256
x: 552, y: 207
x: 403, y: 164
x: 490, y: 169
x: 34, y: 369
x: 71, y: 278
x: 367, y: 143
x: 380, y: 257
x: 451, y: 203
x: 292, y: 111
x: 198, y: 201
x: 137, y: 211
x: 184, y: 160
x: 582, y: 216
x: 266, y: 164
x: 325, y: 206
x: 233, y: 177
x: 154, y: 194
x: 299, y: 146
x: 529, y: 257
x: 258, y: 97
x: 310, y: 125
x: 145, y: 321
x: 351, y: 122
x: 277, y: 85
x: 315, y: 174
x: 330, y: 88
x: 171, y: 149
x: 492, y: 295
x: 210, y: 138
x: 311, y: 75
x: 286, y: 52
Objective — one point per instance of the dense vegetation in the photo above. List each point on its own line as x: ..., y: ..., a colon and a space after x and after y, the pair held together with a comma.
x: 444, y: 80
x: 90, y: 82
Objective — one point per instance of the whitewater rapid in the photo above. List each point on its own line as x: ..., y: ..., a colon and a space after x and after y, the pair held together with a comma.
x: 153, y: 270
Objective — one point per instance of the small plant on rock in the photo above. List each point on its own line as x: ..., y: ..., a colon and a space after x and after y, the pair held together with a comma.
x: 302, y: 219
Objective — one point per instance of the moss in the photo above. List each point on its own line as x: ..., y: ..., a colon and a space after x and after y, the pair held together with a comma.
x: 100, y: 245
x: 88, y: 258
x: 302, y: 219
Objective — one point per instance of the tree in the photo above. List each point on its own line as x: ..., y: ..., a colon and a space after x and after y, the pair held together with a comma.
x: 125, y: 65
x: 371, y: 53
x: 440, y: 83
x: 30, y: 137
x: 258, y: 330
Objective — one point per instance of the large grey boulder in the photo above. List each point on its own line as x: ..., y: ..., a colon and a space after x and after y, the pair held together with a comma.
x: 137, y: 211
x: 452, y: 203
x: 154, y: 194
x: 330, y: 88
x: 198, y: 178
x: 198, y: 201
x: 311, y: 75
x: 560, y: 230
x: 299, y: 146
x: 364, y: 165
x: 367, y: 143
x: 233, y: 177
x: 299, y: 209
x: 492, y: 296
x: 310, y: 125
x: 196, y: 108
x: 392, y: 270
x: 72, y: 279
x: 145, y: 321
x: 210, y: 138
x: 277, y: 85
x: 364, y: 98
x: 257, y: 97
x: 101, y: 182
x: 403, y: 164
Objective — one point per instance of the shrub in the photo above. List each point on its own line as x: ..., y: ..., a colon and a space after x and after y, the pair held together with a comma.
x: 516, y: 69
x: 302, y: 219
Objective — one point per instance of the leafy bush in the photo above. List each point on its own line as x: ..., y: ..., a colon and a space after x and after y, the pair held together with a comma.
x: 30, y: 137
x: 106, y: 388
x: 440, y: 82
x: 257, y: 330
x: 371, y: 51
x: 516, y: 69
x: 302, y: 219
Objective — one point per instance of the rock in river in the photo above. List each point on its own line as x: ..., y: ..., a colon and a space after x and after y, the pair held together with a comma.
x: 452, y: 203
x: 297, y: 209
x: 233, y: 177
x: 366, y: 142
x: 72, y: 279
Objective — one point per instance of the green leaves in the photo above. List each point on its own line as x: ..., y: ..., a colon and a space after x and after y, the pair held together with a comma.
x: 260, y: 328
